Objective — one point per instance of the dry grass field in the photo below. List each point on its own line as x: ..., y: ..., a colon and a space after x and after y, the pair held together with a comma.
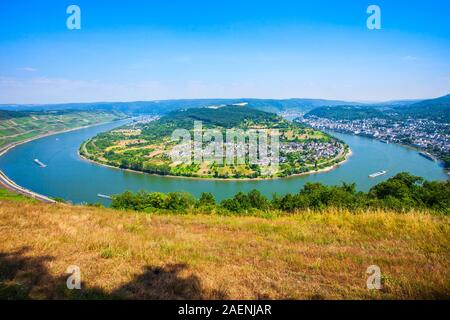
x: 127, y: 255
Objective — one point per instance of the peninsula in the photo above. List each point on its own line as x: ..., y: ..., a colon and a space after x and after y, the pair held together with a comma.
x: 149, y: 146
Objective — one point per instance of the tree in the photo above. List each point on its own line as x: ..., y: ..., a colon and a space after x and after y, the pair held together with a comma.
x: 257, y: 200
x: 179, y: 201
x: 207, y: 199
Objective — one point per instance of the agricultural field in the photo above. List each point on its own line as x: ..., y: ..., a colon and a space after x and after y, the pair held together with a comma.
x: 20, y: 126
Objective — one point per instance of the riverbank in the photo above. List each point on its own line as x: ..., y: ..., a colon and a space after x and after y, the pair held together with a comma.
x: 8, y: 147
x: 9, y: 184
x: 431, y: 156
x: 12, y: 186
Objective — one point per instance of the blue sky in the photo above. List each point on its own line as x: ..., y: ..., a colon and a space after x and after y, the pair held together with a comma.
x: 151, y: 50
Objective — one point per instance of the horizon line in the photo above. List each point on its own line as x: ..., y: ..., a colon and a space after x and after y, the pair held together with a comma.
x: 187, y: 99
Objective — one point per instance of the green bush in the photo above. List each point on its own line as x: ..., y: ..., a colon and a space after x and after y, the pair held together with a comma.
x: 401, y: 193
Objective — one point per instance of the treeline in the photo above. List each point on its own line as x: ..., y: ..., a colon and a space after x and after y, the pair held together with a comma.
x: 225, y: 117
x: 6, y: 115
x: 401, y: 193
x: 346, y: 113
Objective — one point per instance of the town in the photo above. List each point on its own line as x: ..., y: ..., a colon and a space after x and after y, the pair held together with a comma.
x: 427, y: 135
x: 312, y: 151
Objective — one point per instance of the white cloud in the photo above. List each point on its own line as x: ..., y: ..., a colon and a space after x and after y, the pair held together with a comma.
x: 28, y: 69
x: 410, y: 58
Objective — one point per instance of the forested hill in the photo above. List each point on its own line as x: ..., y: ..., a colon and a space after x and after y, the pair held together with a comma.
x: 434, y: 109
x: 227, y: 117
x: 346, y: 113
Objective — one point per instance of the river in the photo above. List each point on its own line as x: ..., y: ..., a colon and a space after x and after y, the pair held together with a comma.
x: 69, y: 177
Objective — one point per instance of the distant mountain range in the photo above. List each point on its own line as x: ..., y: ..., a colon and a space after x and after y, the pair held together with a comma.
x: 435, y: 109
x: 166, y: 106
x: 438, y: 108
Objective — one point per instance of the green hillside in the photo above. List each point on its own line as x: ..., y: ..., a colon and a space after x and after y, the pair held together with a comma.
x: 346, y: 113
x: 437, y: 109
x: 17, y: 126
x: 226, y: 117
x: 434, y: 109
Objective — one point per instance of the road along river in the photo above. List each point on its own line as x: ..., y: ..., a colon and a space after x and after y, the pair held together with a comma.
x: 69, y: 177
